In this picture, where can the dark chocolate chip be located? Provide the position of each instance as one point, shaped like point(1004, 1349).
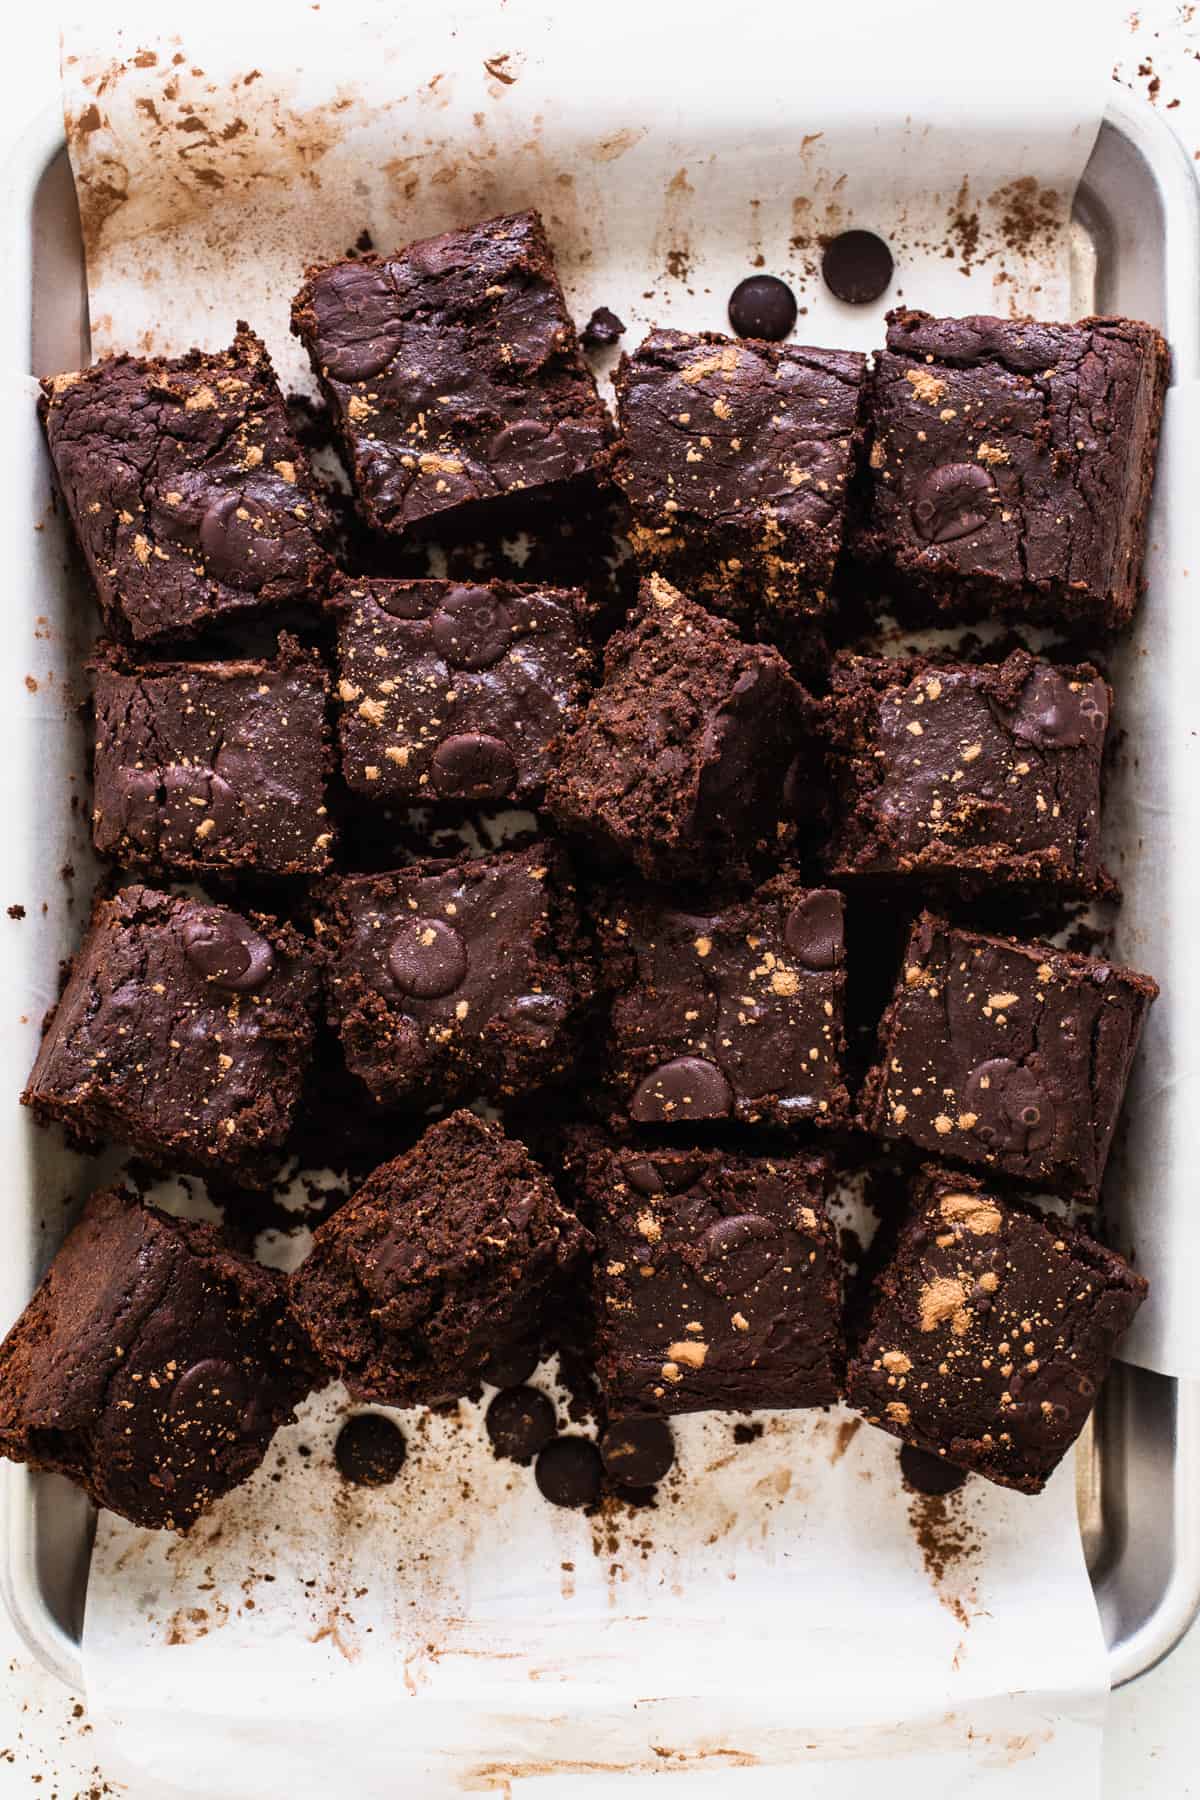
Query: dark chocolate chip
point(668, 1175)
point(813, 931)
point(688, 1088)
point(520, 1421)
point(727, 1236)
point(473, 766)
point(136, 792)
point(512, 1366)
point(637, 1451)
point(857, 266)
point(239, 540)
point(227, 952)
point(762, 306)
point(400, 600)
point(471, 628)
point(952, 502)
point(212, 1394)
point(526, 445)
point(1012, 1109)
point(535, 1016)
point(370, 1450)
point(1051, 715)
point(927, 1473)
point(602, 329)
point(569, 1472)
point(426, 957)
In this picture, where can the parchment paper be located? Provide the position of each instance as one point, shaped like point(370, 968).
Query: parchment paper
point(786, 1606)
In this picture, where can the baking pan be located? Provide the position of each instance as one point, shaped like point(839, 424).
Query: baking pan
point(1135, 249)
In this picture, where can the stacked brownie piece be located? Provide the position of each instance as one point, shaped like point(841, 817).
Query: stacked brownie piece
point(649, 981)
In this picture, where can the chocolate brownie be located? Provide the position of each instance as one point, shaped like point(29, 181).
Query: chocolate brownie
point(681, 758)
point(184, 1029)
point(736, 459)
point(991, 1329)
point(213, 765)
point(152, 1366)
point(449, 979)
point(968, 775)
point(452, 371)
point(730, 1011)
point(1013, 1055)
point(442, 1254)
point(718, 1281)
point(188, 490)
point(455, 692)
point(1012, 466)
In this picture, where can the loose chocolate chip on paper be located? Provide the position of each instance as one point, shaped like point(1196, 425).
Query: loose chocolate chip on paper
point(637, 1451)
point(762, 306)
point(602, 329)
point(929, 1474)
point(370, 1450)
point(569, 1472)
point(857, 267)
point(520, 1421)
point(512, 1365)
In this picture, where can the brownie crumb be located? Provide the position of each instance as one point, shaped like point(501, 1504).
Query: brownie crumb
point(16, 912)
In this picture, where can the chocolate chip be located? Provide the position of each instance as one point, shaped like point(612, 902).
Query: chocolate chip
point(952, 502)
point(688, 1088)
point(535, 1016)
point(473, 766)
point(637, 1451)
point(1050, 715)
point(240, 541)
point(733, 1233)
point(511, 1366)
point(528, 447)
point(361, 331)
point(370, 1450)
point(471, 629)
point(857, 266)
point(762, 306)
point(214, 1395)
point(813, 931)
point(520, 1421)
point(226, 950)
point(569, 1472)
point(929, 1474)
point(426, 958)
point(136, 797)
point(602, 329)
point(665, 1175)
point(1012, 1109)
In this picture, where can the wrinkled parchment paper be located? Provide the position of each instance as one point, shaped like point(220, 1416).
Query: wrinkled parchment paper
point(786, 1606)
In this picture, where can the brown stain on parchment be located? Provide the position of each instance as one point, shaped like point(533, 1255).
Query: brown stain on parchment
point(950, 1545)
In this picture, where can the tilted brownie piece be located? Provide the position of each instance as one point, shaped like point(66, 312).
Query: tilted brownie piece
point(968, 774)
point(990, 1331)
point(444, 1255)
point(736, 459)
point(184, 1029)
point(214, 765)
point(1013, 1055)
point(152, 1366)
point(682, 755)
point(718, 1280)
point(450, 691)
point(187, 488)
point(452, 371)
point(1013, 463)
point(734, 1012)
point(456, 978)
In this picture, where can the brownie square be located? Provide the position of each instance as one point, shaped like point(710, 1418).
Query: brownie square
point(452, 371)
point(681, 757)
point(454, 978)
point(968, 775)
point(152, 1366)
point(732, 1011)
point(991, 1329)
point(736, 458)
point(189, 493)
point(1012, 465)
point(213, 765)
point(443, 1256)
point(1011, 1055)
point(718, 1280)
point(456, 692)
point(184, 1030)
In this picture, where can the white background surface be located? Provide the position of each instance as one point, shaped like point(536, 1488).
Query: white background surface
point(1154, 1733)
